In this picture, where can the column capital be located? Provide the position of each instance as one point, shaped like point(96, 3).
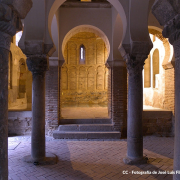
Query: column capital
point(172, 30)
point(10, 19)
point(38, 63)
point(135, 64)
point(167, 14)
point(134, 55)
point(9, 23)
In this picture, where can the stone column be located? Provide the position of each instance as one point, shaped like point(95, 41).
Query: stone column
point(167, 13)
point(135, 108)
point(4, 53)
point(38, 65)
point(10, 22)
point(176, 46)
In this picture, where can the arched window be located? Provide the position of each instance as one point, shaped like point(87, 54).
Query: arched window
point(147, 73)
point(82, 55)
point(155, 68)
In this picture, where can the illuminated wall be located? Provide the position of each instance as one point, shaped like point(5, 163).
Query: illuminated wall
point(84, 75)
point(155, 74)
point(19, 80)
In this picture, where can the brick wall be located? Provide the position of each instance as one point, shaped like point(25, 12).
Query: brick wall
point(119, 98)
point(109, 93)
point(169, 103)
point(52, 95)
point(159, 123)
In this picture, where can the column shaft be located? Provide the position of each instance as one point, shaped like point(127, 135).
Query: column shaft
point(4, 114)
point(38, 116)
point(176, 176)
point(135, 108)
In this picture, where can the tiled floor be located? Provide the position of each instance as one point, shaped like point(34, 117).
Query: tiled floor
point(91, 160)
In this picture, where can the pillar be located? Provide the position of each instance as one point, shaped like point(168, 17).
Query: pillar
point(177, 111)
point(135, 108)
point(38, 65)
point(10, 22)
point(4, 53)
point(170, 19)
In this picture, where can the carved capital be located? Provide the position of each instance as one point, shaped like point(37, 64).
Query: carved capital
point(37, 47)
point(135, 57)
point(38, 64)
point(21, 7)
point(10, 13)
point(135, 64)
point(9, 20)
point(167, 13)
point(164, 11)
point(172, 29)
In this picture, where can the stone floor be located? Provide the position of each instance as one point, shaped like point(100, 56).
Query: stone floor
point(92, 112)
point(92, 160)
point(84, 112)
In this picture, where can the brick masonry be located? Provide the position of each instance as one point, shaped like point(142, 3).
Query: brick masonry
point(52, 99)
point(119, 98)
point(158, 123)
point(169, 103)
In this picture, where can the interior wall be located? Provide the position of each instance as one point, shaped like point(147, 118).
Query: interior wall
point(68, 18)
point(54, 32)
point(20, 81)
point(154, 91)
point(117, 37)
point(84, 83)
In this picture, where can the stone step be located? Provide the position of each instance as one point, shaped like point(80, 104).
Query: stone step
point(86, 127)
point(85, 121)
point(86, 135)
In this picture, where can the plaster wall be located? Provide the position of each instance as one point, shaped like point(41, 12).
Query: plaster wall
point(117, 37)
point(54, 33)
point(68, 18)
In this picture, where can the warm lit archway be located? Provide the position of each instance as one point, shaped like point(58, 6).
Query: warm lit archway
point(117, 5)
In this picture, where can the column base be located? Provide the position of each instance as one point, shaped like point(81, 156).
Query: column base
point(129, 161)
point(50, 159)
